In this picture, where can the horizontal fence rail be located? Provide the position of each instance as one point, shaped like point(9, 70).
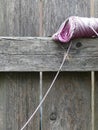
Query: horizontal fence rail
point(43, 54)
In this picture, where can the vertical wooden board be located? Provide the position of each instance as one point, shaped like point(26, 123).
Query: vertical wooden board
point(2, 103)
point(10, 17)
point(2, 17)
point(95, 8)
point(56, 11)
point(96, 101)
point(19, 96)
point(29, 17)
point(19, 17)
point(67, 106)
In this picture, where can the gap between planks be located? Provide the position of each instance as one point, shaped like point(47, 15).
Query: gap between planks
point(93, 100)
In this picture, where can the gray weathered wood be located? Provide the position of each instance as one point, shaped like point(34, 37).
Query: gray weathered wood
point(18, 99)
point(2, 103)
point(19, 92)
point(72, 102)
point(29, 18)
point(96, 8)
point(96, 101)
point(56, 11)
point(67, 106)
point(9, 17)
point(43, 54)
point(19, 18)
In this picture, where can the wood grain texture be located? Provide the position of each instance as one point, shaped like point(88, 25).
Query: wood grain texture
point(2, 103)
point(29, 18)
point(18, 100)
point(9, 18)
point(67, 106)
point(19, 18)
point(42, 54)
point(96, 8)
point(56, 11)
point(19, 92)
point(2, 18)
point(94, 13)
point(96, 101)
point(92, 8)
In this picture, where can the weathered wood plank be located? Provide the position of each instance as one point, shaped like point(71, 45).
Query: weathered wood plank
point(2, 103)
point(2, 17)
point(67, 106)
point(43, 54)
point(29, 18)
point(94, 13)
point(19, 18)
point(9, 18)
point(56, 11)
point(18, 99)
point(95, 8)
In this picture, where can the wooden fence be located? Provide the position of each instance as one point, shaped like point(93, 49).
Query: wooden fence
point(29, 61)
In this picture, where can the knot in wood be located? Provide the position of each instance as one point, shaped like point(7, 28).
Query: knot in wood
point(53, 116)
point(78, 44)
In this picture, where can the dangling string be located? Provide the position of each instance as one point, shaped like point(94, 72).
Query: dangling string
point(93, 30)
point(50, 87)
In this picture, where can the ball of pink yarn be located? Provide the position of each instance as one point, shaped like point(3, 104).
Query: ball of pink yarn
point(76, 27)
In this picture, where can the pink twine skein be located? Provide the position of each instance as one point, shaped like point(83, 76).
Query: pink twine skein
point(76, 27)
